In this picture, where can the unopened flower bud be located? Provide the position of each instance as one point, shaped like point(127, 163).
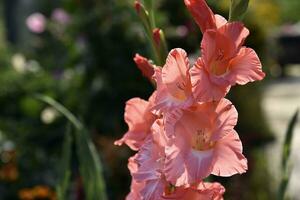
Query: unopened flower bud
point(156, 36)
point(137, 5)
point(144, 65)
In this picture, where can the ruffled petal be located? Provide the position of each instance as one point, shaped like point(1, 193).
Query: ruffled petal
point(135, 190)
point(175, 169)
point(175, 74)
point(164, 100)
point(150, 161)
point(245, 67)
point(153, 189)
point(139, 119)
point(226, 119)
point(228, 157)
point(235, 32)
point(203, 88)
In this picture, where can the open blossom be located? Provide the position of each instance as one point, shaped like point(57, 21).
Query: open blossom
point(139, 119)
point(174, 89)
point(203, 143)
point(224, 62)
point(36, 22)
point(149, 182)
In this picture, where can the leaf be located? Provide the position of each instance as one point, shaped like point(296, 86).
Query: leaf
point(286, 151)
point(64, 178)
point(89, 164)
point(89, 167)
point(237, 9)
point(288, 139)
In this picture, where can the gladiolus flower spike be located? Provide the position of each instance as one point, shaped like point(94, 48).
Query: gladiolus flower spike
point(185, 131)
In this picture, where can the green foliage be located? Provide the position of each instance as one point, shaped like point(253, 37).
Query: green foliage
point(64, 166)
point(89, 163)
point(286, 151)
point(238, 9)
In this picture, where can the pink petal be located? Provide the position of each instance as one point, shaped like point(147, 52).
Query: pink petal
point(175, 169)
point(201, 191)
point(132, 164)
point(170, 119)
point(202, 14)
point(245, 67)
point(226, 119)
point(184, 165)
point(175, 74)
point(235, 32)
point(150, 161)
point(199, 165)
point(220, 20)
point(216, 49)
point(135, 190)
point(213, 191)
point(164, 100)
point(204, 89)
point(158, 132)
point(139, 119)
point(228, 157)
point(153, 189)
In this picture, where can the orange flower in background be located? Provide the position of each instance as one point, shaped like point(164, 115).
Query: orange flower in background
point(39, 192)
point(8, 171)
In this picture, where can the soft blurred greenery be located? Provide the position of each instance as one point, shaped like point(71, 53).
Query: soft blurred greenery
point(87, 66)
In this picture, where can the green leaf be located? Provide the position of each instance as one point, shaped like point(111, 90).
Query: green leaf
point(238, 9)
point(64, 178)
point(89, 167)
point(89, 163)
point(286, 151)
point(288, 139)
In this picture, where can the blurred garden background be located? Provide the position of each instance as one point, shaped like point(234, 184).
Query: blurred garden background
point(80, 53)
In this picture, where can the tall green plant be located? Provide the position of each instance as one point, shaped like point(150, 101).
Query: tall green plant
point(89, 164)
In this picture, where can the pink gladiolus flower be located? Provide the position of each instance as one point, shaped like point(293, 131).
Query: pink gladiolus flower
point(61, 16)
point(36, 22)
point(224, 63)
point(203, 143)
point(174, 89)
point(149, 182)
point(144, 65)
point(139, 119)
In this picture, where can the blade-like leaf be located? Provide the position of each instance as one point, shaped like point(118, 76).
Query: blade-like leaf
point(288, 139)
point(89, 166)
point(238, 9)
point(64, 178)
point(286, 151)
point(89, 163)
